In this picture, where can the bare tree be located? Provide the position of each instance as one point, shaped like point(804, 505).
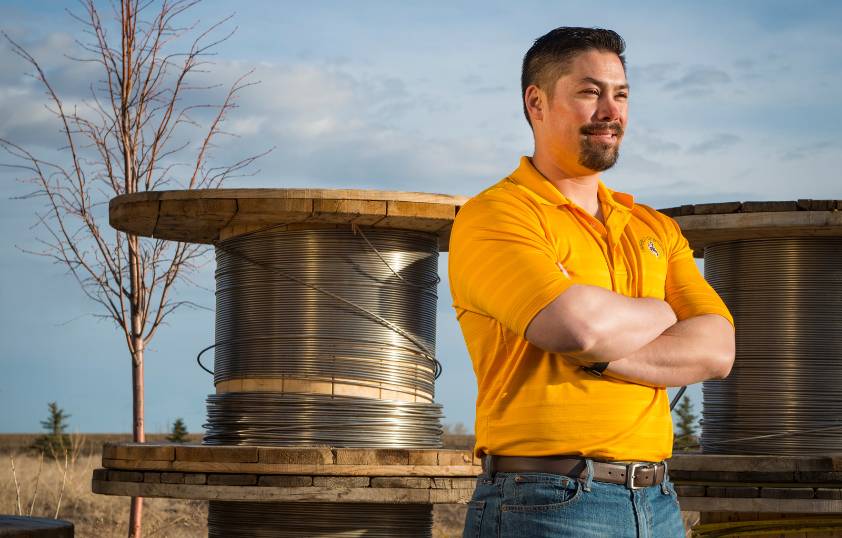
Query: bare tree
point(127, 136)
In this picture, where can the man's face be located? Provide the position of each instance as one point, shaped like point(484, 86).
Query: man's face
point(583, 123)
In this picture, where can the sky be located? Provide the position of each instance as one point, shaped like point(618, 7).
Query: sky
point(728, 101)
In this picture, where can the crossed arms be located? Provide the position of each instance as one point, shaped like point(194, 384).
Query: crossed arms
point(639, 337)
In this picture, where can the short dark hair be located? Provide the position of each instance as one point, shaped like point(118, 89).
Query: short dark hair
point(547, 59)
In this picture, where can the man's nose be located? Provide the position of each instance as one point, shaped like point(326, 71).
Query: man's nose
point(608, 109)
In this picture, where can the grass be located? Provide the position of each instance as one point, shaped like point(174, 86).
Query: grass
point(55, 487)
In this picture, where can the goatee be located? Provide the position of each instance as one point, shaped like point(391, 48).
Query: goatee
point(599, 156)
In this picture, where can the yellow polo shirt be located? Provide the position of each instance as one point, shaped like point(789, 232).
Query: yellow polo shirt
point(505, 250)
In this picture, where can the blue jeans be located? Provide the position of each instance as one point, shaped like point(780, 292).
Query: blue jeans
point(542, 505)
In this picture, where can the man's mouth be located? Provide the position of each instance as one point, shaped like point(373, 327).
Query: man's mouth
point(606, 132)
point(601, 136)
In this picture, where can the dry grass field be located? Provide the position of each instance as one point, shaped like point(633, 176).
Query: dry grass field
point(46, 487)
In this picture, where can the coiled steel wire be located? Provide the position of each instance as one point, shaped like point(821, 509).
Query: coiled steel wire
point(784, 393)
point(334, 520)
point(328, 303)
point(276, 419)
point(355, 305)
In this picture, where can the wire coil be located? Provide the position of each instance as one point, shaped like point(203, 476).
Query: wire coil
point(325, 304)
point(328, 303)
point(273, 419)
point(334, 520)
point(784, 393)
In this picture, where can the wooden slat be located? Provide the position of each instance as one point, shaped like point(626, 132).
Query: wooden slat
point(337, 387)
point(294, 469)
point(138, 451)
point(221, 454)
point(285, 494)
point(716, 504)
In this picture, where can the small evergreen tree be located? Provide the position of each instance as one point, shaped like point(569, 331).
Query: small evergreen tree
point(55, 441)
point(178, 434)
point(685, 435)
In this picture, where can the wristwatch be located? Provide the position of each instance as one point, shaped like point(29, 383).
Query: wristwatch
point(596, 368)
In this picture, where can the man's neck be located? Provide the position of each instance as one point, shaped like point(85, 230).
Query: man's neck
point(581, 190)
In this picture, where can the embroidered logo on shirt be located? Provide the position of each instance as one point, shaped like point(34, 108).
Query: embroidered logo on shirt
point(652, 246)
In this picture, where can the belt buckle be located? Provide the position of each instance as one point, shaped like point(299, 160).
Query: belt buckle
point(631, 468)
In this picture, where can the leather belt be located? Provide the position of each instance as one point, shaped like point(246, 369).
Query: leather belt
point(632, 475)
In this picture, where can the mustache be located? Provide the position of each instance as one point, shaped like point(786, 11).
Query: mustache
point(601, 127)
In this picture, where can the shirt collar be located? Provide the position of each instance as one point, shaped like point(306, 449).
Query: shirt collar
point(529, 178)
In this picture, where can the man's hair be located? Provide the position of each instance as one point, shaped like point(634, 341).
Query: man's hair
point(548, 58)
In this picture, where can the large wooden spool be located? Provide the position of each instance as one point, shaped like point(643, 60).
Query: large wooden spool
point(309, 474)
point(787, 494)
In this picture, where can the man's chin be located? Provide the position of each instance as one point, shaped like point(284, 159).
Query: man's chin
point(599, 161)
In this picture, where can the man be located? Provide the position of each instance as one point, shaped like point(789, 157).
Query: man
point(578, 307)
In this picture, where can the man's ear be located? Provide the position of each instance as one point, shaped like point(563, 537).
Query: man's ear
point(534, 100)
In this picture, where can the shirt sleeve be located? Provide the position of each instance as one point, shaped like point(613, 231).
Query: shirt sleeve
point(501, 262)
point(687, 291)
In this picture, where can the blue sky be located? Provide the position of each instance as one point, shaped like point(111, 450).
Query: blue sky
point(729, 101)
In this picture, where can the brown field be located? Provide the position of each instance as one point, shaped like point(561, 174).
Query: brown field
point(49, 486)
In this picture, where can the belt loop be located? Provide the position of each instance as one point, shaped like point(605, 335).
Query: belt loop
point(489, 466)
point(588, 479)
point(664, 489)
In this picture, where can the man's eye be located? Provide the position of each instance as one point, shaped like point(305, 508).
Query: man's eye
point(622, 96)
point(591, 91)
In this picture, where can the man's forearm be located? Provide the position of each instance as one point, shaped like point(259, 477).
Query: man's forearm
point(620, 325)
point(690, 351)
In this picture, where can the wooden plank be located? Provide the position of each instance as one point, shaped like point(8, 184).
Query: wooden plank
point(829, 493)
point(285, 455)
point(183, 220)
point(733, 491)
point(690, 490)
point(716, 504)
point(286, 481)
point(139, 217)
point(717, 208)
point(362, 212)
point(125, 476)
point(284, 494)
point(296, 469)
point(368, 456)
point(423, 457)
point(232, 480)
point(732, 476)
point(766, 206)
point(455, 457)
point(787, 493)
point(341, 481)
point(172, 478)
point(736, 463)
point(338, 387)
point(671, 211)
point(139, 451)
point(222, 454)
point(400, 482)
point(417, 216)
point(453, 483)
